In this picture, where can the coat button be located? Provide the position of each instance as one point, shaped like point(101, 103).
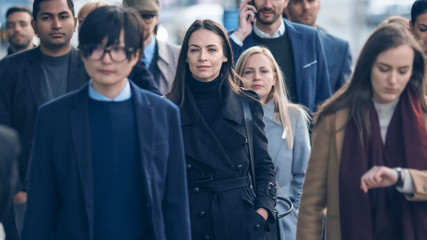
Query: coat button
point(257, 226)
point(238, 167)
point(196, 190)
point(188, 166)
point(207, 237)
point(202, 214)
point(246, 140)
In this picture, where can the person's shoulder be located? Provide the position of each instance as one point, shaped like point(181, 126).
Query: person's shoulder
point(158, 102)
point(167, 45)
point(336, 41)
point(65, 101)
point(301, 28)
point(249, 95)
point(8, 135)
point(20, 58)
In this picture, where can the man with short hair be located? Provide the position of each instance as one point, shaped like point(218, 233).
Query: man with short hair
point(18, 29)
point(159, 57)
point(33, 77)
point(297, 49)
point(337, 51)
point(108, 159)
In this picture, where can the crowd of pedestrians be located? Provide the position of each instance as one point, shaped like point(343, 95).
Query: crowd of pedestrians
point(129, 137)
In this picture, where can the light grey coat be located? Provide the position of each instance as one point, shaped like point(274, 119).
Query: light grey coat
point(290, 164)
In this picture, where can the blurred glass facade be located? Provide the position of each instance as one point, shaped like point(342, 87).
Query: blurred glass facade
point(352, 20)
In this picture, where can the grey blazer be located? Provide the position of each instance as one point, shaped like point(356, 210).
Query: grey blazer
point(165, 69)
point(290, 164)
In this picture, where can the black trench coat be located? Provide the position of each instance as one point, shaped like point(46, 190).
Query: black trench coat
point(222, 205)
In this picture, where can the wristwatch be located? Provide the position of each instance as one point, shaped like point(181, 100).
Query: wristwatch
point(399, 182)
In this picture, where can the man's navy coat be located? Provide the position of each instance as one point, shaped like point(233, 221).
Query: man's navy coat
point(338, 58)
point(311, 72)
point(60, 196)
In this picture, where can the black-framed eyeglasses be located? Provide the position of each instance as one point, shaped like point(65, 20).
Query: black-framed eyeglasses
point(147, 17)
point(117, 53)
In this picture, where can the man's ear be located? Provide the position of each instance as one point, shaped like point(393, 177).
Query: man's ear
point(33, 24)
point(75, 23)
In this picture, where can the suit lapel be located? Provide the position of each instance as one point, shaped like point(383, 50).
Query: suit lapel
point(297, 40)
point(79, 121)
point(145, 123)
point(77, 75)
point(34, 75)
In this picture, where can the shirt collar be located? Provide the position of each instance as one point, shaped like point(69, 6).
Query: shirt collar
point(279, 32)
point(125, 94)
point(149, 51)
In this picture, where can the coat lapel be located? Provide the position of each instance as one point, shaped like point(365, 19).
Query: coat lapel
point(34, 75)
point(201, 142)
point(297, 40)
point(145, 123)
point(79, 121)
point(229, 128)
point(77, 75)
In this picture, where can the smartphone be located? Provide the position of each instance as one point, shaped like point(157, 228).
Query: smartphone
point(251, 3)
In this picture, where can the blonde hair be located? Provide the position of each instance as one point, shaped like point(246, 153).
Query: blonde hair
point(89, 7)
point(278, 92)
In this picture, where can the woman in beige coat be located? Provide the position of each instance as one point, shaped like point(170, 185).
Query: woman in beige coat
point(375, 120)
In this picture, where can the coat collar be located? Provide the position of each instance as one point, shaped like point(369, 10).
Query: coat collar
point(232, 109)
point(162, 50)
point(269, 110)
point(210, 145)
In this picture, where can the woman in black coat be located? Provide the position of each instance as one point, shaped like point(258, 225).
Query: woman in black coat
point(222, 204)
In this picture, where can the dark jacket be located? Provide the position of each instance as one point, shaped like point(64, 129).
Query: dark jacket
point(9, 153)
point(60, 196)
point(21, 95)
point(338, 59)
point(311, 72)
point(143, 78)
point(222, 205)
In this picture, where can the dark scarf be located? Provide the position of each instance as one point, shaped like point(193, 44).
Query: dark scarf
point(383, 213)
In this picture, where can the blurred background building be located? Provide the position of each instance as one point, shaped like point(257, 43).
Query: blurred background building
point(352, 20)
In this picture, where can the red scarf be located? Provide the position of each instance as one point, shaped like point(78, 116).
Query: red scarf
point(383, 213)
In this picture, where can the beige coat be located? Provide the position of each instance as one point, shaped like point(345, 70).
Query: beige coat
point(320, 191)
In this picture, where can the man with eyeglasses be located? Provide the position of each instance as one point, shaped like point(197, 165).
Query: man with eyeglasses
point(108, 159)
point(33, 77)
point(159, 57)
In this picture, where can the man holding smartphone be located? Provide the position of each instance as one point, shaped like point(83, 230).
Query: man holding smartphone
point(296, 47)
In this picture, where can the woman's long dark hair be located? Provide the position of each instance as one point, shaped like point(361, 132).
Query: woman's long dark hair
point(357, 94)
point(227, 74)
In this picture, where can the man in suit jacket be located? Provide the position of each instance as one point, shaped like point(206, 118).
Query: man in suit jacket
point(337, 51)
point(297, 49)
point(108, 159)
point(33, 77)
point(160, 57)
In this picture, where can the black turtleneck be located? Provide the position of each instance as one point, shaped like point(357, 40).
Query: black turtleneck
point(207, 98)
